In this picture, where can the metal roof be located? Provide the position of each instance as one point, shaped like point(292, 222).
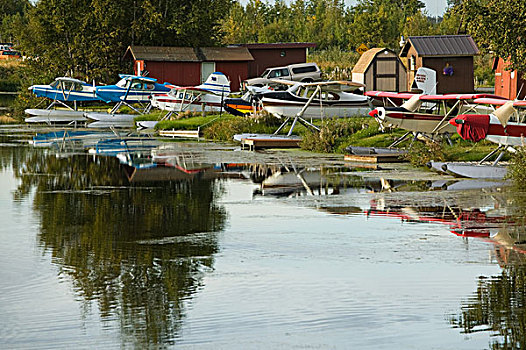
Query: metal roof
point(225, 54)
point(256, 46)
point(161, 53)
point(188, 54)
point(441, 45)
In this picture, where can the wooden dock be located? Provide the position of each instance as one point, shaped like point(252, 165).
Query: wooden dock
point(253, 143)
point(193, 134)
point(375, 158)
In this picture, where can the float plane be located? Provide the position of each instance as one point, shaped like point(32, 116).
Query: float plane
point(62, 91)
point(207, 97)
point(129, 89)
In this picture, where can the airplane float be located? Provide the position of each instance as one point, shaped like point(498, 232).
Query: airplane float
point(128, 90)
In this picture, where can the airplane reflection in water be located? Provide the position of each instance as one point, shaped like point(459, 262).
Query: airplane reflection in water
point(492, 224)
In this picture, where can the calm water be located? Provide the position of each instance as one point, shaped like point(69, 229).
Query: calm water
point(202, 246)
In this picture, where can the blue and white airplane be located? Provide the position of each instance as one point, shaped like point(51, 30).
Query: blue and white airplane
point(131, 89)
point(62, 91)
point(66, 89)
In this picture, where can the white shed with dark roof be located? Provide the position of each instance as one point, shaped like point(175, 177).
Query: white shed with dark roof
point(451, 56)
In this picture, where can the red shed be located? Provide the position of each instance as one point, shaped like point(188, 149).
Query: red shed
point(275, 55)
point(187, 66)
point(508, 83)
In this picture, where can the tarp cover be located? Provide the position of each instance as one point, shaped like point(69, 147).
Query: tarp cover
point(474, 128)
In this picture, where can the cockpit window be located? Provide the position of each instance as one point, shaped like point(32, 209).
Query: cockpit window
point(123, 83)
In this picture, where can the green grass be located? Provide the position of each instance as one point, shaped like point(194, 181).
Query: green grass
point(337, 134)
point(193, 122)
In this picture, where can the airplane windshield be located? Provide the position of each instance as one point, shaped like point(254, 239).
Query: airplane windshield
point(66, 85)
point(123, 83)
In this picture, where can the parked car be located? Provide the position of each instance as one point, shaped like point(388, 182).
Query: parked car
point(10, 55)
point(304, 72)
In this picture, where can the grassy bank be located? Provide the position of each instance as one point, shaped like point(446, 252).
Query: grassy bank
point(335, 135)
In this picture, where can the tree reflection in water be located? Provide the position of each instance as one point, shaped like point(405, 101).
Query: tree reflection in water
point(499, 303)
point(137, 251)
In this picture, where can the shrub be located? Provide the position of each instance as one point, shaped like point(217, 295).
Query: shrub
point(517, 169)
point(332, 134)
point(422, 153)
point(225, 129)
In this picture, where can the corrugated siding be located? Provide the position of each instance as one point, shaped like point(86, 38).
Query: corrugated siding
point(235, 71)
point(178, 73)
point(264, 59)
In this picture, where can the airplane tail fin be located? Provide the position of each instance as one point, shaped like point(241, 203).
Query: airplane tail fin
point(217, 83)
point(425, 81)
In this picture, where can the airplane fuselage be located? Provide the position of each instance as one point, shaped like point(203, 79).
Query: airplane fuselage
point(286, 104)
point(84, 94)
point(180, 101)
point(115, 93)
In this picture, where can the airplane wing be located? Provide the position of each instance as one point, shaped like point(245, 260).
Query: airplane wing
point(521, 103)
point(449, 97)
point(137, 78)
point(489, 101)
point(499, 102)
point(72, 80)
point(338, 84)
point(387, 94)
point(198, 89)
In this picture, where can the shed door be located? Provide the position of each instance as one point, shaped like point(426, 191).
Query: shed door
point(386, 73)
point(207, 68)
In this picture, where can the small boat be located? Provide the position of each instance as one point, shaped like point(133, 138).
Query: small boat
point(476, 171)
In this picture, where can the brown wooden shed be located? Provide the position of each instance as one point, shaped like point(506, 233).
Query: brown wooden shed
point(274, 55)
point(451, 56)
point(510, 84)
point(187, 66)
point(380, 69)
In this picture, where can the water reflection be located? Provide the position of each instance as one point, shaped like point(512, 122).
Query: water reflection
point(498, 305)
point(138, 252)
point(136, 233)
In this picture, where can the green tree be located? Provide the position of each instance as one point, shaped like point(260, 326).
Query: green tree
point(87, 39)
point(377, 23)
point(12, 13)
point(498, 26)
point(417, 24)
